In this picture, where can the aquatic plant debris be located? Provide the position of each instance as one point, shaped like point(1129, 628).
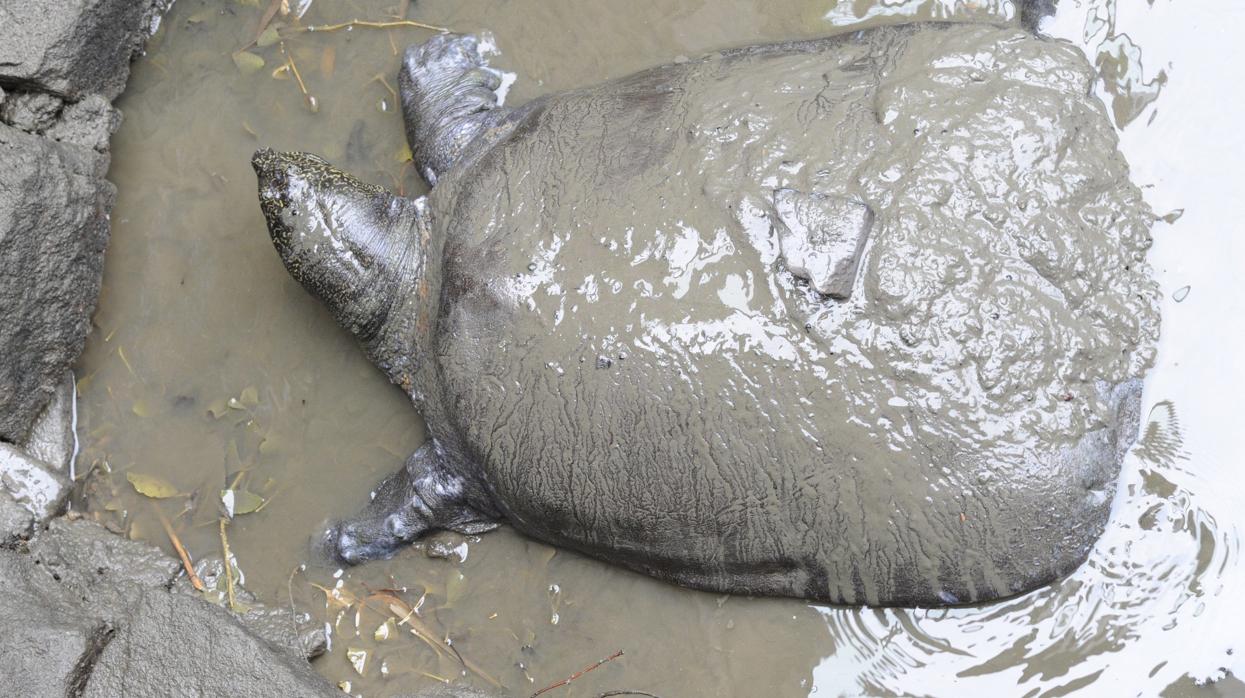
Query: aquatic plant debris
point(247, 62)
point(152, 486)
point(224, 544)
point(237, 502)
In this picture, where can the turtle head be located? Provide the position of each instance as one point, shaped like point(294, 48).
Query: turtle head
point(351, 244)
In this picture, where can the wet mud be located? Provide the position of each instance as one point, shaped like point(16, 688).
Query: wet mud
point(213, 370)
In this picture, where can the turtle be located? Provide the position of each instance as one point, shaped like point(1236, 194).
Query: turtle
point(860, 319)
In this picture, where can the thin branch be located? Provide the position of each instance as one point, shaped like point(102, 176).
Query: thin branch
point(364, 24)
point(578, 674)
point(181, 551)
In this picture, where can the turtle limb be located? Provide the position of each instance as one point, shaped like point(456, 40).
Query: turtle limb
point(448, 99)
point(423, 496)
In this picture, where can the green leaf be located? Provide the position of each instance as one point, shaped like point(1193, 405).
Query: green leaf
point(247, 62)
point(152, 486)
point(268, 37)
point(249, 396)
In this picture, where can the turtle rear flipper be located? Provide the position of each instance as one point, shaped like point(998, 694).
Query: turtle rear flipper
point(423, 496)
point(448, 99)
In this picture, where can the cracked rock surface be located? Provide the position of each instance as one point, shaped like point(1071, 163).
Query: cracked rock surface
point(62, 62)
point(89, 613)
point(86, 612)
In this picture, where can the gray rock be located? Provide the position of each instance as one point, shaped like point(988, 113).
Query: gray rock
point(99, 567)
point(177, 645)
point(49, 645)
point(89, 123)
point(54, 208)
point(73, 47)
point(52, 437)
point(36, 485)
point(16, 522)
point(31, 111)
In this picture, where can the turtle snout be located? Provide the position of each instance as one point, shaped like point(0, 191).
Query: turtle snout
point(273, 178)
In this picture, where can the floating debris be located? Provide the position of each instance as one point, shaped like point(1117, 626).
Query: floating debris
point(1181, 293)
point(358, 659)
point(384, 631)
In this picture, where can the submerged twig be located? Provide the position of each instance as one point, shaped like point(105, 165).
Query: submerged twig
point(181, 551)
point(268, 15)
point(578, 674)
point(367, 25)
point(289, 589)
point(312, 103)
point(224, 544)
point(421, 631)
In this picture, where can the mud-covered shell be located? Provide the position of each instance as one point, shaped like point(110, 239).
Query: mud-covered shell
point(627, 351)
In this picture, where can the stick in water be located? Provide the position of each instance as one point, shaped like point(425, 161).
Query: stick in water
point(181, 551)
point(578, 674)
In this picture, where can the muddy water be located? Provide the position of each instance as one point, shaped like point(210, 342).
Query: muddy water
point(210, 367)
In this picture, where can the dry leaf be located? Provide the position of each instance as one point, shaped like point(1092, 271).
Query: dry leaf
point(358, 659)
point(152, 486)
point(238, 502)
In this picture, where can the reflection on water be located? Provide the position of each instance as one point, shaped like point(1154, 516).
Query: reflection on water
point(210, 368)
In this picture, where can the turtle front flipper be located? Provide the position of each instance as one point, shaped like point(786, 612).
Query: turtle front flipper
point(423, 496)
point(448, 99)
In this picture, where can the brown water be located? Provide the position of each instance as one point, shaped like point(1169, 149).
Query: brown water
point(209, 361)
